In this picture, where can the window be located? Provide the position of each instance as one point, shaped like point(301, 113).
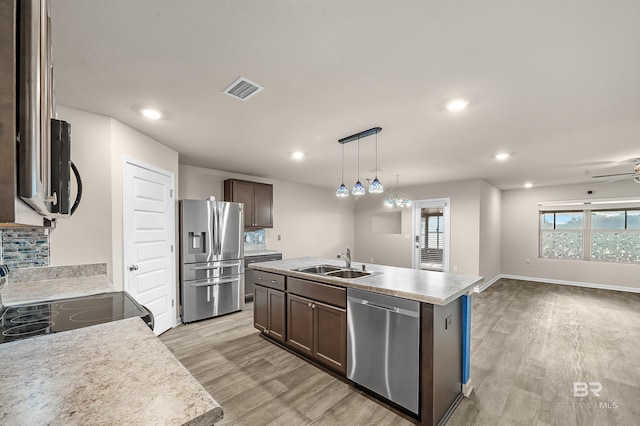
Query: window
point(431, 239)
point(615, 235)
point(561, 235)
point(591, 234)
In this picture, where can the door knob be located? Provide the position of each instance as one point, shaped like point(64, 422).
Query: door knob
point(133, 267)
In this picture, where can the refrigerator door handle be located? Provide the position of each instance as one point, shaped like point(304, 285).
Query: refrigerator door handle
point(209, 283)
point(216, 230)
point(208, 293)
point(221, 266)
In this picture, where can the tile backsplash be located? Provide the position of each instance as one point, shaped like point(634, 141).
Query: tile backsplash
point(24, 247)
point(255, 240)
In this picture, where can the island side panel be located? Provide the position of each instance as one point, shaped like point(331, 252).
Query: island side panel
point(440, 360)
point(426, 364)
point(466, 345)
point(447, 356)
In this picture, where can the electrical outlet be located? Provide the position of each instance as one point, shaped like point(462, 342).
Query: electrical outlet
point(447, 322)
point(455, 268)
point(528, 262)
point(279, 237)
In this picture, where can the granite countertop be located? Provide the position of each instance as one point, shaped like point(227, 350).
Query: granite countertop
point(18, 293)
point(251, 253)
point(437, 288)
point(113, 373)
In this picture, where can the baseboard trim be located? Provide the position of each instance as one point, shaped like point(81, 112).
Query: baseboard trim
point(564, 282)
point(482, 287)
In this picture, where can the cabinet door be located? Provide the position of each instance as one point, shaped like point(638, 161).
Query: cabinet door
point(330, 336)
point(243, 193)
point(277, 318)
point(300, 324)
point(260, 308)
point(263, 205)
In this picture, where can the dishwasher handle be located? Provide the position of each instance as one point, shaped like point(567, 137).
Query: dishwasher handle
point(392, 309)
point(384, 308)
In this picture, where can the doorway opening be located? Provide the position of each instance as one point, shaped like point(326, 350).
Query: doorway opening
point(431, 236)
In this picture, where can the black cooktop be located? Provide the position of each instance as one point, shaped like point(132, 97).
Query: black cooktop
point(40, 318)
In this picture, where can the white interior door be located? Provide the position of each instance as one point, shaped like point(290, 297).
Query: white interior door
point(149, 238)
point(432, 226)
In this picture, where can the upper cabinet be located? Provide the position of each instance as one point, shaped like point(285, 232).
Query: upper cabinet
point(257, 198)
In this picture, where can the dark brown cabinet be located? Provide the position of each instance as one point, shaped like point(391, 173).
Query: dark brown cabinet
point(269, 305)
point(257, 198)
point(261, 308)
point(330, 336)
point(317, 329)
point(269, 312)
point(300, 324)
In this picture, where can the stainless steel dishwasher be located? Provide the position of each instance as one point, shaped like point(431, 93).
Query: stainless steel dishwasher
point(383, 346)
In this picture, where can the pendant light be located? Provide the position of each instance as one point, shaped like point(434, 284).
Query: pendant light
point(342, 191)
point(358, 188)
point(393, 197)
point(376, 187)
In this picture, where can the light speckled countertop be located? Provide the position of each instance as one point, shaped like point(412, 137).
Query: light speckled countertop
point(17, 293)
point(109, 374)
point(251, 253)
point(437, 288)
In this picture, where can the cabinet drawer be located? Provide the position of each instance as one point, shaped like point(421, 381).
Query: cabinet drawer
point(268, 279)
point(332, 295)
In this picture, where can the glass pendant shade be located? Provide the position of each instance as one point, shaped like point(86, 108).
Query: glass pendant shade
point(376, 187)
point(342, 191)
point(358, 189)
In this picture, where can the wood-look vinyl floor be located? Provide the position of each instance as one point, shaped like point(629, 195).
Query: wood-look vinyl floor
point(530, 343)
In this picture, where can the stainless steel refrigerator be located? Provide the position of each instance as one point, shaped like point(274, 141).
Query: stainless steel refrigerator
point(211, 259)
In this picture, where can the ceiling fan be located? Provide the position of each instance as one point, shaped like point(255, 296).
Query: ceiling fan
point(635, 175)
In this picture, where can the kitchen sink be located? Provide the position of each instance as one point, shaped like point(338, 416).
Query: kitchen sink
point(335, 271)
point(348, 273)
point(318, 269)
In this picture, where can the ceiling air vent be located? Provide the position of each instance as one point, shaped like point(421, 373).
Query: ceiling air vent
point(243, 89)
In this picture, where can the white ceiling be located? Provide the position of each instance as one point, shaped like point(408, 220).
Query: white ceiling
point(555, 83)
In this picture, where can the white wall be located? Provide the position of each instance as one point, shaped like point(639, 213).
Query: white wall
point(520, 236)
point(94, 233)
point(310, 220)
point(490, 231)
point(397, 250)
point(86, 236)
point(129, 143)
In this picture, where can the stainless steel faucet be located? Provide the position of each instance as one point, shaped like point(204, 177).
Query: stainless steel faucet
point(346, 257)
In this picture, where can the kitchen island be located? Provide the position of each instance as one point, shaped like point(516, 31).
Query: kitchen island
point(112, 373)
point(379, 328)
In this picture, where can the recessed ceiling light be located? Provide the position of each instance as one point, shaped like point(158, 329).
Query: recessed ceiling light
point(151, 114)
point(298, 155)
point(528, 185)
point(457, 105)
point(502, 156)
